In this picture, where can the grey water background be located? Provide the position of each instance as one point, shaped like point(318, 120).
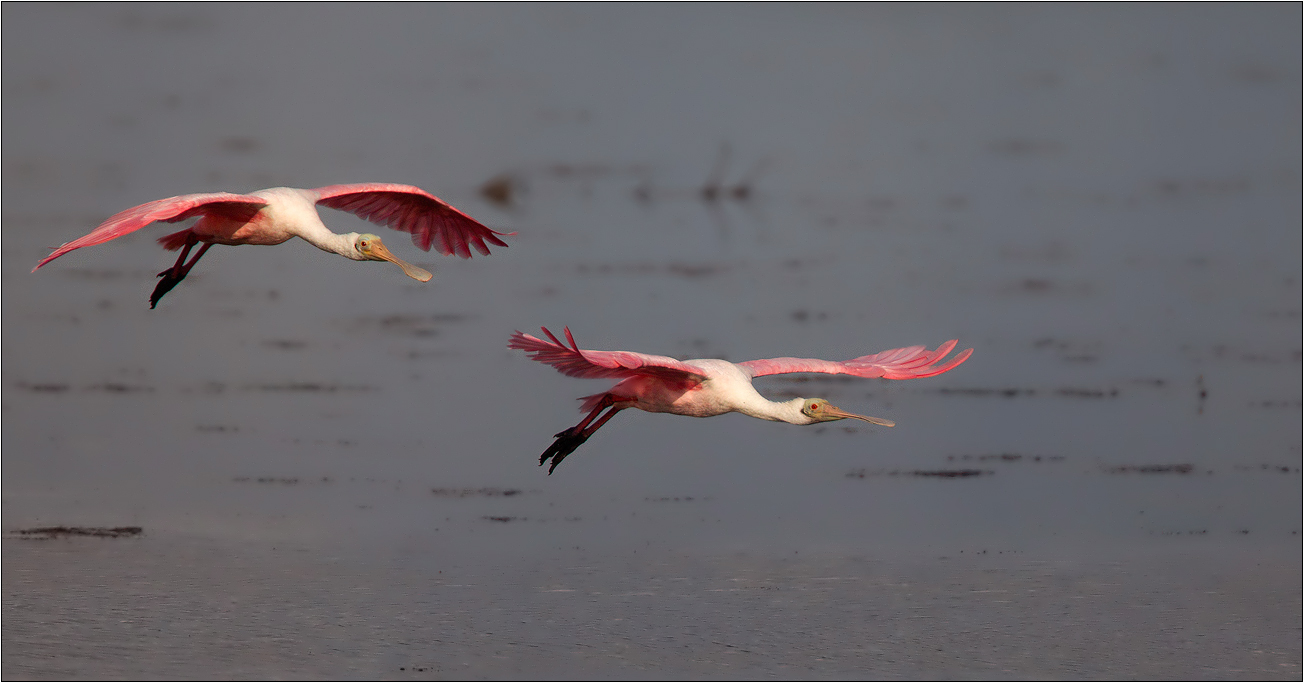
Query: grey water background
point(335, 466)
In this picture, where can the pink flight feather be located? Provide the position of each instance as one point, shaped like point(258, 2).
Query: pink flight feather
point(911, 362)
point(170, 210)
point(430, 220)
point(575, 362)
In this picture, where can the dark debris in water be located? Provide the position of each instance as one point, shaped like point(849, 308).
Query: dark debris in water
point(504, 519)
point(309, 388)
point(502, 189)
point(823, 379)
point(117, 388)
point(239, 144)
point(484, 492)
point(687, 270)
point(1008, 457)
point(1039, 285)
point(1183, 468)
point(984, 551)
point(673, 499)
point(941, 474)
point(283, 481)
point(717, 189)
point(1172, 188)
point(509, 188)
point(421, 326)
point(106, 387)
point(286, 344)
point(1295, 404)
point(802, 315)
point(1073, 392)
point(216, 429)
point(986, 391)
point(1070, 351)
point(49, 532)
point(214, 388)
point(1284, 469)
point(346, 443)
point(1014, 392)
point(44, 388)
point(1290, 313)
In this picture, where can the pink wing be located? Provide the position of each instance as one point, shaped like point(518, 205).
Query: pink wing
point(911, 362)
point(575, 362)
point(431, 220)
point(170, 210)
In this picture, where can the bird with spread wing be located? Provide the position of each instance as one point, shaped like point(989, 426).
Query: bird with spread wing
point(275, 215)
point(709, 386)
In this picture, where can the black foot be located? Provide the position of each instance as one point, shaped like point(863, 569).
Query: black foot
point(165, 285)
point(565, 444)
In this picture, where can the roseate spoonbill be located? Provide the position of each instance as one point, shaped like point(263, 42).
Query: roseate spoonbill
point(274, 215)
point(708, 386)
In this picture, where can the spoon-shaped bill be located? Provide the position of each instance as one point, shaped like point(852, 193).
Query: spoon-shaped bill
point(380, 252)
point(834, 411)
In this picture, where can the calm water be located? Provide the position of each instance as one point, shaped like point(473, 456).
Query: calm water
point(1103, 202)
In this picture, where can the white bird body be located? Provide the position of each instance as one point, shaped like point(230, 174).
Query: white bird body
point(726, 388)
point(273, 216)
point(289, 212)
point(706, 387)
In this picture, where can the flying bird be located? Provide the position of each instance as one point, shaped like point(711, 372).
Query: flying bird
point(274, 215)
point(709, 386)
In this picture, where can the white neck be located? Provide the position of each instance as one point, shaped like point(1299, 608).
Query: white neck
point(321, 237)
point(777, 411)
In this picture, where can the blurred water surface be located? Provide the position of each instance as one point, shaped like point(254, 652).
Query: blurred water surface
point(1103, 201)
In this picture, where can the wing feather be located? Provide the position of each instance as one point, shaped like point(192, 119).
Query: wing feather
point(444, 245)
point(170, 210)
point(429, 219)
point(459, 242)
point(569, 359)
point(911, 362)
point(424, 235)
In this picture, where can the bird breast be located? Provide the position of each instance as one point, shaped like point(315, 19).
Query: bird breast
point(260, 230)
point(725, 388)
point(289, 212)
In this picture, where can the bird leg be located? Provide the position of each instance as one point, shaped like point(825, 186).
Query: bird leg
point(570, 439)
point(178, 271)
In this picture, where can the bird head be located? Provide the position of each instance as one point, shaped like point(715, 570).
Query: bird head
point(820, 410)
point(372, 249)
